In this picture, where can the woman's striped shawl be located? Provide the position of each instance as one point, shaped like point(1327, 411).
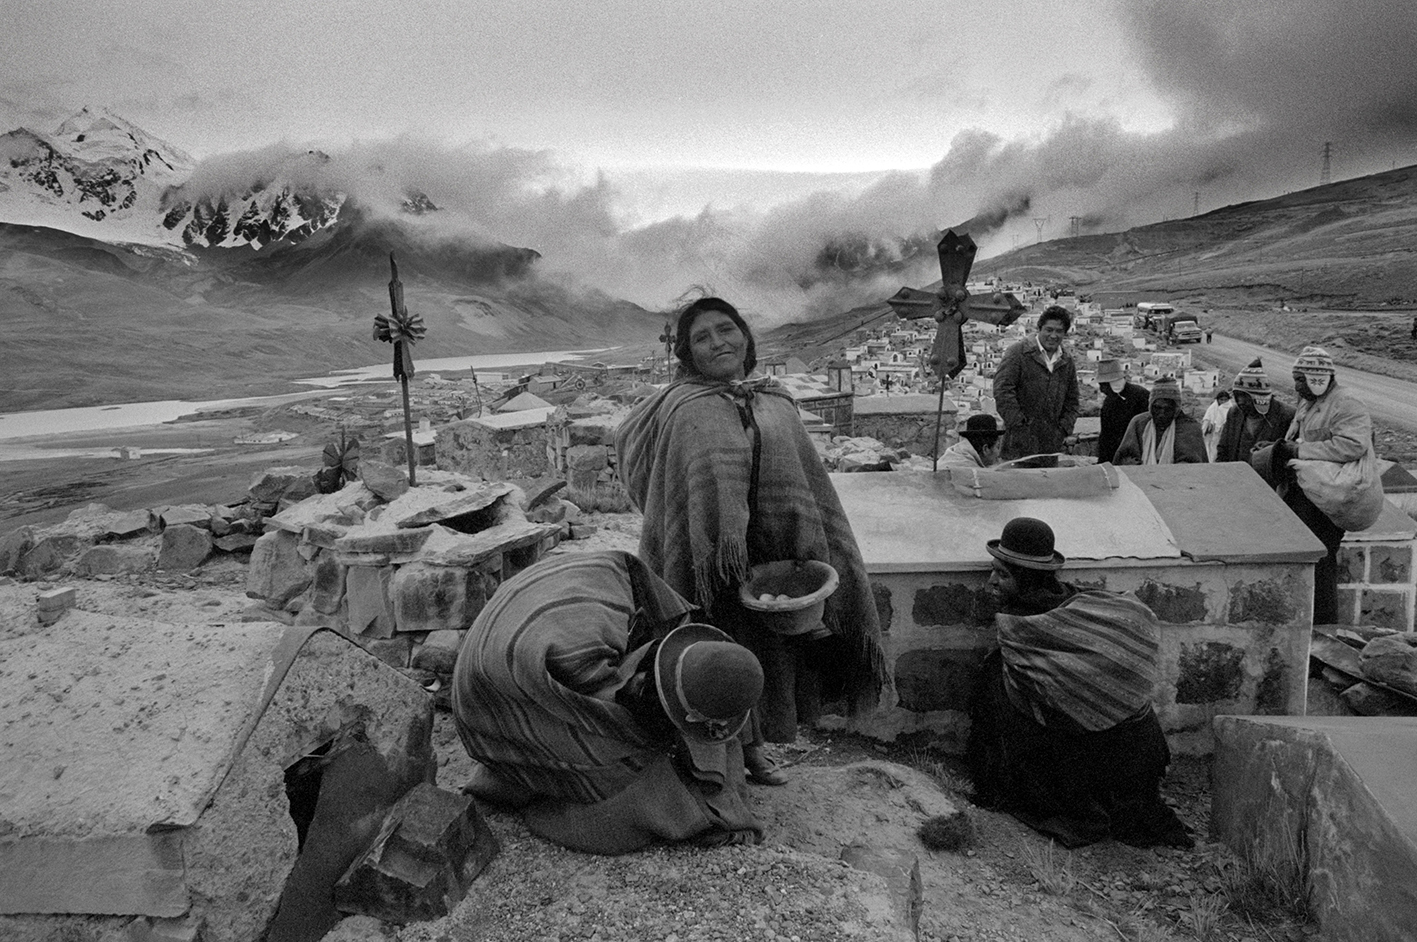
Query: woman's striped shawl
point(535, 682)
point(687, 463)
point(1093, 658)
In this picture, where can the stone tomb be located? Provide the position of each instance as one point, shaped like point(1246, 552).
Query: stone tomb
point(1377, 584)
point(167, 780)
point(1227, 568)
point(1326, 802)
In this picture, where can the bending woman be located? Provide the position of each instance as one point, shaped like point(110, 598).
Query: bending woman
point(727, 477)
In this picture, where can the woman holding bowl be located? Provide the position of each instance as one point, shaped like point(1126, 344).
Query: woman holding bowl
point(727, 478)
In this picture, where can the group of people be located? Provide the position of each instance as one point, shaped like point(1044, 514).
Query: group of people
point(623, 699)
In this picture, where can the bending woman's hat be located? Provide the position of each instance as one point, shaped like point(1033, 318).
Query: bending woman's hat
point(1314, 360)
point(1026, 542)
point(1109, 371)
point(1252, 379)
point(707, 682)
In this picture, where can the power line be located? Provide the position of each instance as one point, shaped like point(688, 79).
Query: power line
point(1326, 176)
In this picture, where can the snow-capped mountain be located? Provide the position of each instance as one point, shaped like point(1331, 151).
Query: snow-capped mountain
point(102, 177)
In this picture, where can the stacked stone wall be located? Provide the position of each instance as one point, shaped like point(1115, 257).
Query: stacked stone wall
point(915, 432)
point(1376, 584)
point(470, 448)
point(1234, 640)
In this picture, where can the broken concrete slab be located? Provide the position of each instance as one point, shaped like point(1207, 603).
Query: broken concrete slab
point(202, 826)
point(432, 845)
point(183, 547)
point(337, 508)
point(1330, 799)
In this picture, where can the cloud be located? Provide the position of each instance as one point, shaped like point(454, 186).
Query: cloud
point(1255, 88)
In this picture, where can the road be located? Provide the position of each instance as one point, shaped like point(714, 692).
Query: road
point(1393, 402)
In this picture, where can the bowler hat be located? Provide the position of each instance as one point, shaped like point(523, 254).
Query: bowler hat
point(1026, 542)
point(981, 425)
point(707, 682)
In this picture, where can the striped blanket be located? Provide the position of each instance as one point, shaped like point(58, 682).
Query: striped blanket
point(534, 700)
point(1093, 659)
point(686, 458)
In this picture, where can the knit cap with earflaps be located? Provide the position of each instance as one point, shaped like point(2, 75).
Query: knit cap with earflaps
point(1314, 360)
point(1253, 380)
point(1167, 387)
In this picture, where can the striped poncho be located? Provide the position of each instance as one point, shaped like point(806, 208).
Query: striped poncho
point(1093, 659)
point(686, 457)
point(534, 700)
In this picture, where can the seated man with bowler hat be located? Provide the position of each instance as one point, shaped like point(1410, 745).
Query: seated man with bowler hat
point(978, 445)
point(1063, 734)
point(591, 700)
point(1164, 434)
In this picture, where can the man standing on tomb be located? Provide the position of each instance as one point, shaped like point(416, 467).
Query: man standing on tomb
point(1063, 734)
point(1331, 424)
point(1122, 401)
point(1164, 434)
point(1036, 389)
point(1257, 417)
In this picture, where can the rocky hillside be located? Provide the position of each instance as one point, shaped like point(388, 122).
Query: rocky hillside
point(1343, 245)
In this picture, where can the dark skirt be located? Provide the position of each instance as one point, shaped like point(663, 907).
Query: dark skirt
point(1076, 787)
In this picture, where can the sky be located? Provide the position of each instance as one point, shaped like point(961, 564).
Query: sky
point(649, 144)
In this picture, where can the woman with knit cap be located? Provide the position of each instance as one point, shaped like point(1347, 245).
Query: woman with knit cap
point(1257, 418)
point(1164, 434)
point(1331, 424)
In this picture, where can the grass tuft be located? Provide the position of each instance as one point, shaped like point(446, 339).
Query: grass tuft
point(953, 832)
point(1049, 866)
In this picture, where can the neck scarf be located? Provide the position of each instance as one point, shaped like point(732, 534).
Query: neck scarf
point(1154, 452)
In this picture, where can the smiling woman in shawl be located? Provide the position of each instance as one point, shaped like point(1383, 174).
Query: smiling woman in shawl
point(1062, 731)
point(588, 698)
point(727, 478)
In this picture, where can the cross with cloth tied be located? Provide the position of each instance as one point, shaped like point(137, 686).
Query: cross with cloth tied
point(951, 306)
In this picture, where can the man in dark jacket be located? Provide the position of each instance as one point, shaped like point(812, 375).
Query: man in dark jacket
point(1036, 389)
point(1164, 434)
point(1121, 402)
point(1258, 418)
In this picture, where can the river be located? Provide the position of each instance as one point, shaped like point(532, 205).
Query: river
point(15, 425)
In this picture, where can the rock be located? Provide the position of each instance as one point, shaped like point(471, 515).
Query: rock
point(327, 588)
point(366, 593)
point(278, 572)
point(436, 659)
point(1367, 700)
point(1392, 660)
point(235, 543)
point(184, 547)
point(195, 515)
point(128, 525)
point(387, 542)
point(383, 478)
point(357, 929)
point(432, 598)
point(14, 545)
point(586, 457)
point(107, 558)
point(269, 486)
point(460, 509)
point(583, 531)
point(431, 847)
point(48, 555)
